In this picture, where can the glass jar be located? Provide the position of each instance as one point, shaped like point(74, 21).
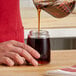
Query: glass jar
point(41, 42)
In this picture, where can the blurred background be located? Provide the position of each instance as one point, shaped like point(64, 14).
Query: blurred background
point(29, 20)
point(26, 3)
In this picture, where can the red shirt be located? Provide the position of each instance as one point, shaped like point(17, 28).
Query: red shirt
point(10, 21)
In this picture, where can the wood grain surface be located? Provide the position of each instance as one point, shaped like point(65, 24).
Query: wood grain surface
point(30, 21)
point(59, 59)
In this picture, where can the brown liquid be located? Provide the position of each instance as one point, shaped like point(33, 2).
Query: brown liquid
point(56, 10)
point(38, 10)
point(42, 45)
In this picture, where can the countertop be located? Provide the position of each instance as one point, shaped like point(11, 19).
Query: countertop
point(59, 59)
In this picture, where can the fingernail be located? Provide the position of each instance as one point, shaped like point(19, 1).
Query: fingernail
point(38, 56)
point(11, 64)
point(21, 61)
point(35, 63)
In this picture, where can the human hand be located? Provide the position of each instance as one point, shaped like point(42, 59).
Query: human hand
point(12, 52)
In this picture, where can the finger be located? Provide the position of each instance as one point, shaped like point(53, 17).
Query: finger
point(16, 57)
point(24, 60)
point(7, 61)
point(32, 51)
point(26, 55)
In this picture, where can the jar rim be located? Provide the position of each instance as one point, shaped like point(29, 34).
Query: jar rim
point(36, 34)
point(43, 32)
